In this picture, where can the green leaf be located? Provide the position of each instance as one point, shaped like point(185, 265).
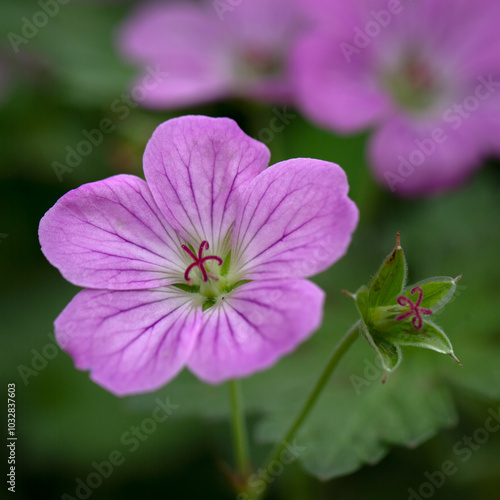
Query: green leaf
point(430, 336)
point(390, 279)
point(480, 375)
point(388, 353)
point(339, 438)
point(437, 291)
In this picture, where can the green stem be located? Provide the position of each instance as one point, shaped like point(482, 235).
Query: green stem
point(339, 351)
point(240, 438)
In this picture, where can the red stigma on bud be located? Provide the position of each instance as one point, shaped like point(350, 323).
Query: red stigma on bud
point(414, 308)
point(199, 260)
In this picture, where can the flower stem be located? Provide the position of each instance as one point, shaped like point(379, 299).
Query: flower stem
point(339, 351)
point(240, 438)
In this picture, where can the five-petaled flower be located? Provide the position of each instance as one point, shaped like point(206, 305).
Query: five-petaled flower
point(202, 266)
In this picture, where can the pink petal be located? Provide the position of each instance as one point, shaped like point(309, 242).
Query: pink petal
point(262, 24)
point(414, 159)
point(258, 323)
point(462, 34)
point(340, 17)
point(260, 33)
point(295, 220)
point(196, 168)
point(210, 50)
point(185, 40)
point(110, 234)
point(335, 90)
point(131, 341)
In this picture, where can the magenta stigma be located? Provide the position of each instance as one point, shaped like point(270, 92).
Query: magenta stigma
point(415, 310)
point(199, 260)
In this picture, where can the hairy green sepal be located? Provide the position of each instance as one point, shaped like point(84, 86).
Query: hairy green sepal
point(381, 323)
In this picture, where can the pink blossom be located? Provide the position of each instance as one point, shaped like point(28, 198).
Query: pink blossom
point(212, 50)
point(203, 265)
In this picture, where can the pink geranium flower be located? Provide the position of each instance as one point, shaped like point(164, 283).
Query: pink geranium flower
point(426, 73)
point(201, 266)
point(211, 50)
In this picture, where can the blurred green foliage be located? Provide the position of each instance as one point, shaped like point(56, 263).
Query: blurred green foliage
point(64, 81)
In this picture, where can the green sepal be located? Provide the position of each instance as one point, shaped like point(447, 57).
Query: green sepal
point(389, 353)
point(430, 336)
point(437, 291)
point(237, 284)
point(187, 288)
point(389, 280)
point(361, 299)
point(225, 264)
point(208, 304)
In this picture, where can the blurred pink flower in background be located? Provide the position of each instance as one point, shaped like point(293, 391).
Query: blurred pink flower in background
point(213, 50)
point(425, 73)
